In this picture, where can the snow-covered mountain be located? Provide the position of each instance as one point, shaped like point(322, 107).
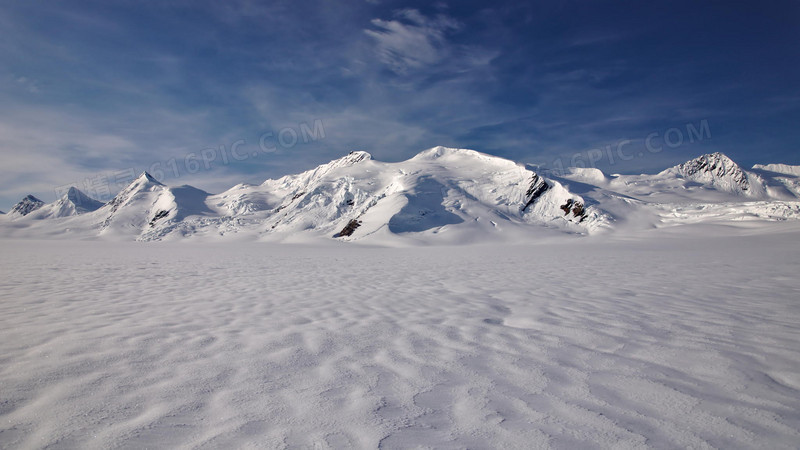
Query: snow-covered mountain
point(441, 195)
point(782, 180)
point(721, 173)
point(148, 209)
point(454, 191)
point(72, 203)
point(26, 206)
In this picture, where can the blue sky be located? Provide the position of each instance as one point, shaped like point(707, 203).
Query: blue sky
point(90, 91)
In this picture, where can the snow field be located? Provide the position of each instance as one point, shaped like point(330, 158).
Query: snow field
point(676, 341)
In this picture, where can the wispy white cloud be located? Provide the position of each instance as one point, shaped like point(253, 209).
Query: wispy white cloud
point(412, 40)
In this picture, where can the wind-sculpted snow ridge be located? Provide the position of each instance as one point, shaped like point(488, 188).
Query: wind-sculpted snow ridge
point(441, 196)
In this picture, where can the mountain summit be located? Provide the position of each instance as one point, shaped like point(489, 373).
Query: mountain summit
point(72, 203)
point(721, 172)
point(26, 206)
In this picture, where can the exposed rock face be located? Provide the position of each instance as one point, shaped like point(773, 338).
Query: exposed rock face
point(718, 170)
point(349, 228)
point(159, 215)
point(577, 209)
point(27, 205)
point(537, 187)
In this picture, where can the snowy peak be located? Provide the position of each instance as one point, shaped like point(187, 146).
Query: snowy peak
point(721, 172)
point(438, 152)
point(309, 176)
point(145, 182)
point(81, 202)
point(146, 177)
point(355, 157)
point(714, 164)
point(130, 206)
point(453, 154)
point(26, 206)
point(72, 203)
point(350, 159)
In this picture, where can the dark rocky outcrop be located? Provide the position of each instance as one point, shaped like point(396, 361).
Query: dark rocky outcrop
point(27, 205)
point(537, 187)
point(159, 215)
point(577, 209)
point(349, 228)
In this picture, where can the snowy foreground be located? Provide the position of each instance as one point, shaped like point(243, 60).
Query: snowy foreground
point(675, 339)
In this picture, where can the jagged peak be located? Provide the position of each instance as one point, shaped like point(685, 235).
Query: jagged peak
point(718, 163)
point(27, 205)
point(718, 170)
point(31, 198)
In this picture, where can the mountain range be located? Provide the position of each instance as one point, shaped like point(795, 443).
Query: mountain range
point(441, 195)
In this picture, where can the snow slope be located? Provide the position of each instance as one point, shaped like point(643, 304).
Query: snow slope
point(785, 169)
point(674, 338)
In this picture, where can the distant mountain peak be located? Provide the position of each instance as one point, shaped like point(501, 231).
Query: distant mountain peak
point(718, 170)
point(31, 198)
point(79, 202)
point(74, 195)
point(350, 159)
point(27, 205)
point(358, 156)
point(717, 164)
point(146, 177)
